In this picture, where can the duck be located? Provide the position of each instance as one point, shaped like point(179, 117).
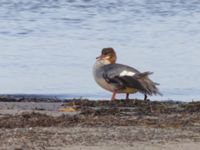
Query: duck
point(120, 78)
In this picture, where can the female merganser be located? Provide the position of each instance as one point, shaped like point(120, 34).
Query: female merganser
point(119, 78)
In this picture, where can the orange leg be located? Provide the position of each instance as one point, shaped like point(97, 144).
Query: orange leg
point(113, 96)
point(127, 96)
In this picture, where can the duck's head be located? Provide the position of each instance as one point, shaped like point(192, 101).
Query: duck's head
point(108, 55)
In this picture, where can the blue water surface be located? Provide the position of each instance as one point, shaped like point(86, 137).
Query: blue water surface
point(50, 46)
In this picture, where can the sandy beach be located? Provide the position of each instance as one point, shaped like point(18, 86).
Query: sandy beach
point(85, 124)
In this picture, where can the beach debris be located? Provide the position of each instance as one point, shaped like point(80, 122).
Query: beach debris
point(67, 109)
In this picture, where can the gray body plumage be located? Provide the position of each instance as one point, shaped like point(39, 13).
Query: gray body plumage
point(118, 77)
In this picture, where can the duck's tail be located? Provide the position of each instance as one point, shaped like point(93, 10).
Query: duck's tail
point(148, 87)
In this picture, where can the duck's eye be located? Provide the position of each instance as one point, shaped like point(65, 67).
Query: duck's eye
point(104, 53)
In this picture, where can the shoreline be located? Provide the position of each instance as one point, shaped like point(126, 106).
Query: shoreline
point(82, 124)
point(64, 97)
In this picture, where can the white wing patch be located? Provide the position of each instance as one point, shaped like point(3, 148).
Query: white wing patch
point(126, 73)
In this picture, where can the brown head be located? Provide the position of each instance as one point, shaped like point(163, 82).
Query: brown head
point(108, 54)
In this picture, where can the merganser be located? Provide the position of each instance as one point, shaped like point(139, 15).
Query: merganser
point(119, 78)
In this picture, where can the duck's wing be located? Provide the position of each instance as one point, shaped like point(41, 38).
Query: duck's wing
point(122, 76)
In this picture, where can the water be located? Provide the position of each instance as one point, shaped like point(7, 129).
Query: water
point(50, 46)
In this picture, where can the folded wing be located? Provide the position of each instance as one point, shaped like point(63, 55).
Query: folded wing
point(122, 76)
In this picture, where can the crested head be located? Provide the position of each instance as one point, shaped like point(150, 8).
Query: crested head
point(109, 55)
point(108, 50)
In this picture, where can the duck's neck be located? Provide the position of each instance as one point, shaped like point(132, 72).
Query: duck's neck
point(100, 63)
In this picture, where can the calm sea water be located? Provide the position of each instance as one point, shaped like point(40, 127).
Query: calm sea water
point(50, 46)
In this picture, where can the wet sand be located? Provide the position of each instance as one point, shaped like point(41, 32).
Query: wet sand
point(85, 124)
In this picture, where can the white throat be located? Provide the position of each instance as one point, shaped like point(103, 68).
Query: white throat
point(102, 62)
